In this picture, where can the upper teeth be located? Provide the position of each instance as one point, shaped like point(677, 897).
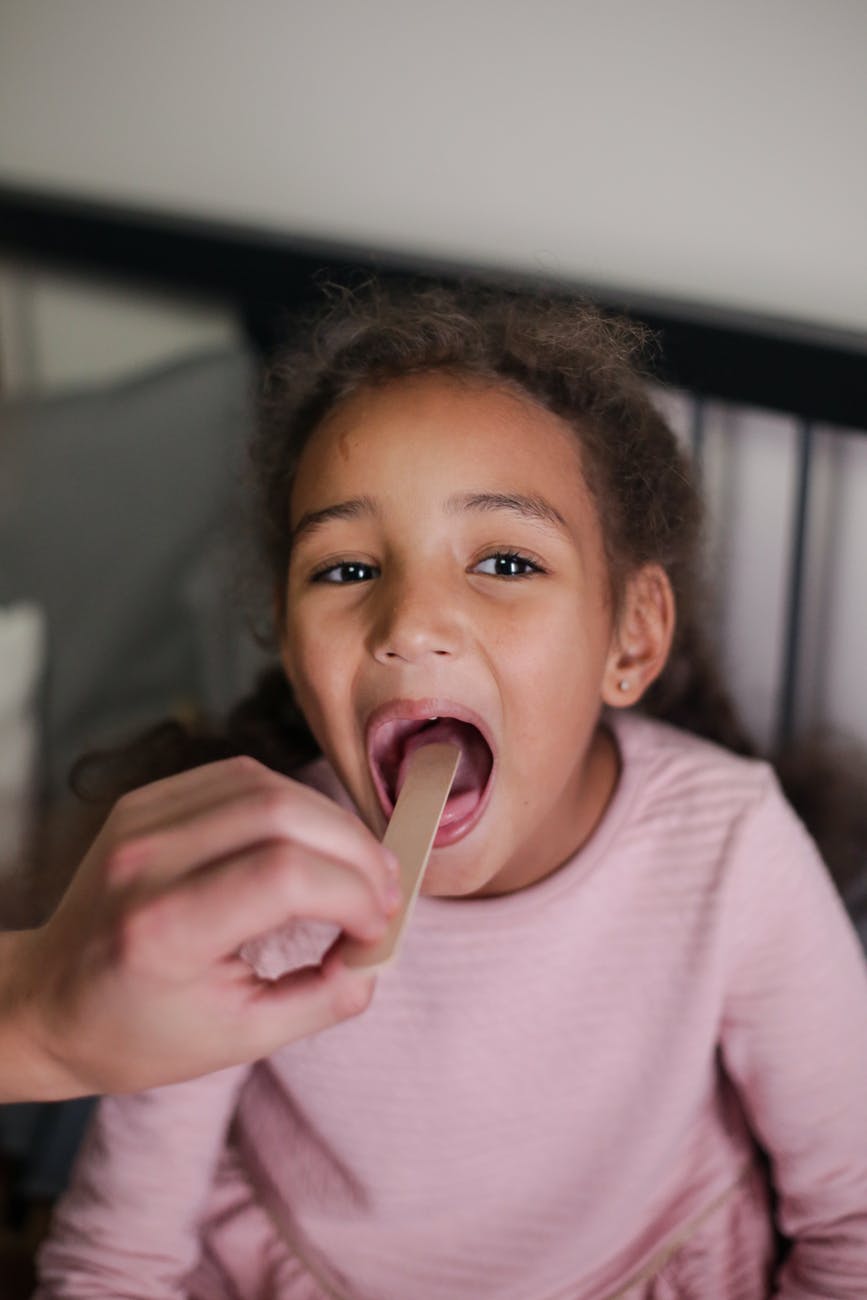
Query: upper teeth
point(436, 719)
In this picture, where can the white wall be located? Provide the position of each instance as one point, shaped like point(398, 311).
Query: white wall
point(711, 150)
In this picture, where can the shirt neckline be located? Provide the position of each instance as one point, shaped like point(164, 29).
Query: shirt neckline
point(625, 730)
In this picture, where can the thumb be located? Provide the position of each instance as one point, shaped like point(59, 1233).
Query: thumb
point(309, 1000)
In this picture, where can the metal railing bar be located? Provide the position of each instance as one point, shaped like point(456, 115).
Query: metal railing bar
point(795, 600)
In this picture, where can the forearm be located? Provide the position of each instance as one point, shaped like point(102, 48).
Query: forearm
point(28, 1069)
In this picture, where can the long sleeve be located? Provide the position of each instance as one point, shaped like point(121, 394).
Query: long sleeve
point(128, 1224)
point(541, 1096)
point(795, 1044)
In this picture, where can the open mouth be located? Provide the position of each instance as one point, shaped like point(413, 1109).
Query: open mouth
point(394, 740)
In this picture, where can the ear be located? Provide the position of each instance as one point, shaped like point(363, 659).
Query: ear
point(642, 638)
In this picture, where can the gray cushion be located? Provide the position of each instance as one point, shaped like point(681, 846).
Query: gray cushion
point(112, 501)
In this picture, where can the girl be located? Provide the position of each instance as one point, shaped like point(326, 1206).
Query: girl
point(624, 1050)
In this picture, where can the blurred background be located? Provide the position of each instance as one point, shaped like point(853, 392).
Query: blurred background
point(174, 177)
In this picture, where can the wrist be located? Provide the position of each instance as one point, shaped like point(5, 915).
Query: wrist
point(29, 1070)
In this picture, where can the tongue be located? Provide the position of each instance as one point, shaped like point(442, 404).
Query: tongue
point(474, 767)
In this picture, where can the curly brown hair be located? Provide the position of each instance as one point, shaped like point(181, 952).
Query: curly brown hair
point(588, 368)
point(569, 357)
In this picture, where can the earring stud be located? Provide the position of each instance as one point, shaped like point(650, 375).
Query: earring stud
point(623, 684)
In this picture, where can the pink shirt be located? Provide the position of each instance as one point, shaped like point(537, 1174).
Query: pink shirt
point(556, 1095)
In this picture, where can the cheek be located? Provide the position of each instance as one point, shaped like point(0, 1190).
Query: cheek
point(538, 650)
point(553, 681)
point(322, 667)
point(311, 666)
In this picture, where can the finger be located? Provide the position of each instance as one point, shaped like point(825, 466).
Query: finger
point(207, 916)
point(282, 810)
point(161, 802)
point(306, 1002)
point(221, 770)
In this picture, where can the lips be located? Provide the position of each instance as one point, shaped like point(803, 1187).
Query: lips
point(396, 731)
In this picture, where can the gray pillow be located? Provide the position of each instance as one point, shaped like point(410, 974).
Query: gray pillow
point(113, 504)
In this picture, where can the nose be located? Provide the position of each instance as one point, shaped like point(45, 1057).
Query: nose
point(417, 620)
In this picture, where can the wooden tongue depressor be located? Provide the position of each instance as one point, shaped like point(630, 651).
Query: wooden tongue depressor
point(410, 835)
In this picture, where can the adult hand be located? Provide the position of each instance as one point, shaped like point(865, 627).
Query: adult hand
point(135, 980)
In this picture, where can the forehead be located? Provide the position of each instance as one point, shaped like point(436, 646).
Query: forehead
point(434, 433)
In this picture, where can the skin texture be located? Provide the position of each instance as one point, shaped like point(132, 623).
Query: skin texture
point(134, 981)
point(395, 596)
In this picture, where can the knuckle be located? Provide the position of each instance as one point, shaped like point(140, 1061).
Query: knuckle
point(253, 774)
point(286, 872)
point(124, 854)
point(270, 804)
point(243, 764)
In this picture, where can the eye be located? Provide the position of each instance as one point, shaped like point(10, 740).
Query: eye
point(507, 564)
point(346, 571)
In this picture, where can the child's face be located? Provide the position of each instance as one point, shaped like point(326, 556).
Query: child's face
point(448, 563)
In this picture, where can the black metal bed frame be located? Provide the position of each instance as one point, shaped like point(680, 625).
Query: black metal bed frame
point(817, 375)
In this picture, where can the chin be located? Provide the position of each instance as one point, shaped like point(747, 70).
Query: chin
point(449, 880)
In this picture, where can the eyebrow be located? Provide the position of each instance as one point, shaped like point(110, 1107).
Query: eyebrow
point(354, 508)
point(536, 508)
